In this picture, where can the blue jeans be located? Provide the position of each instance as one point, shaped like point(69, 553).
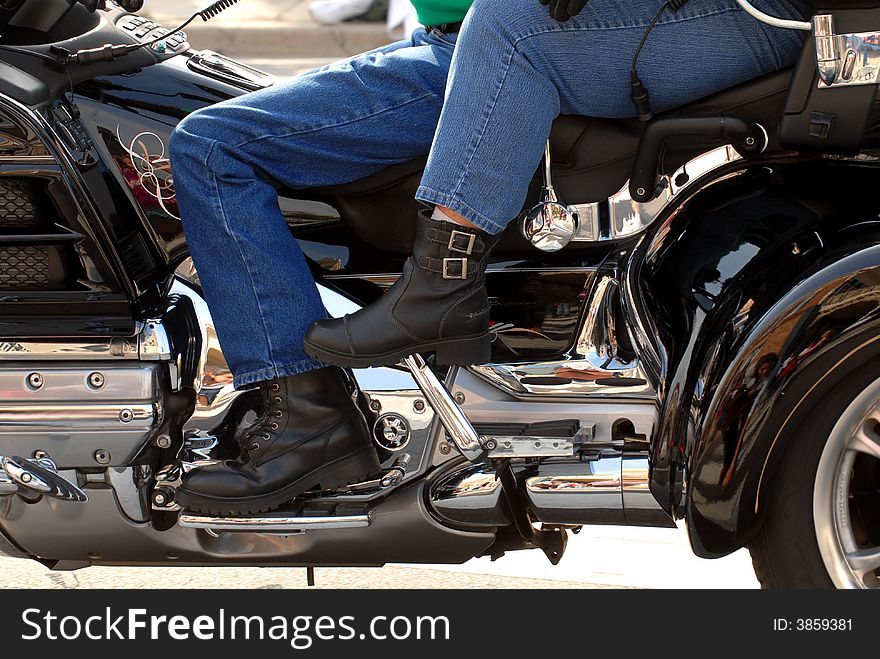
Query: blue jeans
point(514, 70)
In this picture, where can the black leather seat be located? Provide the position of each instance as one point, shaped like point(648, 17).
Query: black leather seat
point(592, 160)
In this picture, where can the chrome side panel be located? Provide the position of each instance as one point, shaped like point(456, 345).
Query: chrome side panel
point(94, 415)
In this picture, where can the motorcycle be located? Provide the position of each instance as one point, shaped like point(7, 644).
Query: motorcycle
point(691, 336)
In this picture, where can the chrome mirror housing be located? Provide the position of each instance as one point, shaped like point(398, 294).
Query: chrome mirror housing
point(550, 225)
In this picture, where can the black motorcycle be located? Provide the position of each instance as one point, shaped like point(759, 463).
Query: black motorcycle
point(694, 334)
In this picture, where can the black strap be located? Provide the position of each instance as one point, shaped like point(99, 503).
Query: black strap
point(444, 28)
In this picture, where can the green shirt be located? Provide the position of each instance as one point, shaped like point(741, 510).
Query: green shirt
point(438, 12)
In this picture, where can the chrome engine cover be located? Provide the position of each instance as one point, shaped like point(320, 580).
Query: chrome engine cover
point(89, 414)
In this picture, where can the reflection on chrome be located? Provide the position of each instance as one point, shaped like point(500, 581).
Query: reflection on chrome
point(627, 217)
point(212, 378)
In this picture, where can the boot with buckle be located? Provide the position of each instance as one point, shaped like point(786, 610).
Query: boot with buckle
point(310, 436)
point(438, 305)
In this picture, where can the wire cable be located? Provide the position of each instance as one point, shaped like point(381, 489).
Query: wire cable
point(109, 53)
point(639, 93)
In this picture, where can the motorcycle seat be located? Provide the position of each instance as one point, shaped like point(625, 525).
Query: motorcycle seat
point(592, 160)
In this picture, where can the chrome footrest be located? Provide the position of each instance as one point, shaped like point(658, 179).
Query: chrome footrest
point(39, 476)
point(275, 522)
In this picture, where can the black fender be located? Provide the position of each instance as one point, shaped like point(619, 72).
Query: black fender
point(734, 292)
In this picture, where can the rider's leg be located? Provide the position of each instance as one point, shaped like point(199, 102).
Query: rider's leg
point(515, 70)
point(327, 127)
point(331, 126)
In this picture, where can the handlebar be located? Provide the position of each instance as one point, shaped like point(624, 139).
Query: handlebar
point(130, 6)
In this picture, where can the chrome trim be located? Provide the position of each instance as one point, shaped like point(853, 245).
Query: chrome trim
point(61, 349)
point(603, 489)
point(28, 160)
point(86, 414)
point(484, 402)
point(271, 523)
point(784, 23)
point(471, 494)
point(41, 476)
point(118, 382)
point(153, 341)
point(453, 419)
point(549, 225)
point(598, 341)
point(100, 418)
point(628, 218)
point(211, 378)
point(130, 485)
point(537, 447)
point(845, 60)
point(827, 54)
point(576, 379)
point(217, 66)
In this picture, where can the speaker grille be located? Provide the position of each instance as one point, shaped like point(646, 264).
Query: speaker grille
point(18, 205)
point(25, 268)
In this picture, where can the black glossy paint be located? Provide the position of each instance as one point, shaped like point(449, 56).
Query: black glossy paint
point(736, 285)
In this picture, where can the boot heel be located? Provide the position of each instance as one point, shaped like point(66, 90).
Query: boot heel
point(465, 352)
point(355, 468)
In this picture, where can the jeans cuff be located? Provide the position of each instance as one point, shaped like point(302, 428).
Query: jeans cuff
point(456, 205)
point(252, 377)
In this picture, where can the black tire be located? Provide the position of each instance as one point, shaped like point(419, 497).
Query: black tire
point(785, 553)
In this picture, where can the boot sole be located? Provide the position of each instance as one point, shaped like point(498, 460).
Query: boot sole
point(463, 351)
point(353, 468)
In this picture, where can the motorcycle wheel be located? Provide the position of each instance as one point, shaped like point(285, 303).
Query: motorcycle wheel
point(822, 528)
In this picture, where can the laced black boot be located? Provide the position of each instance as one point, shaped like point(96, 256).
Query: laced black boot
point(438, 305)
point(311, 435)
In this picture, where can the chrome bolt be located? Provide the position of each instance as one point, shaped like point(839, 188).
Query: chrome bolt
point(491, 445)
point(459, 398)
point(39, 454)
point(159, 499)
point(163, 441)
point(126, 415)
point(750, 141)
point(102, 456)
point(26, 478)
point(419, 406)
point(96, 380)
point(640, 191)
point(35, 381)
point(375, 405)
point(445, 449)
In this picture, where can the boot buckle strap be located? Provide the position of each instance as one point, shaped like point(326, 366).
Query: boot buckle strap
point(449, 268)
point(462, 242)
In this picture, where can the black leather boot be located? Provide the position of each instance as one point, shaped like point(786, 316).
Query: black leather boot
point(438, 305)
point(311, 435)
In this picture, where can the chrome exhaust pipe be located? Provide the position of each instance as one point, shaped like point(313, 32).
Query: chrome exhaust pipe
point(611, 486)
point(607, 484)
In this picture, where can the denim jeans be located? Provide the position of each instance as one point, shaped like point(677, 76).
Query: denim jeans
point(513, 71)
point(516, 69)
point(334, 125)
